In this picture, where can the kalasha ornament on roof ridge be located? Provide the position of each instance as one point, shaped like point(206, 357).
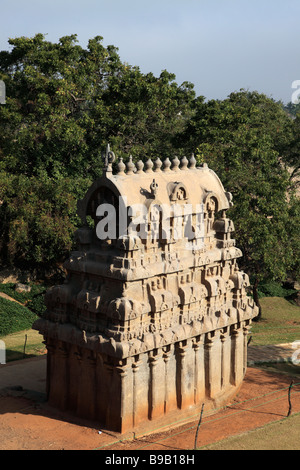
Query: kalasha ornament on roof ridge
point(153, 317)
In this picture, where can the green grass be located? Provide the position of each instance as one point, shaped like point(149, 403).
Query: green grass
point(14, 317)
point(34, 299)
point(280, 322)
point(16, 321)
point(281, 435)
point(23, 344)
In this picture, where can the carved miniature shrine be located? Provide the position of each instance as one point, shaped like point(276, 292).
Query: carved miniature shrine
point(153, 318)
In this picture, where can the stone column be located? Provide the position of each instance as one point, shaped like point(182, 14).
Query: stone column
point(101, 387)
point(50, 351)
point(74, 374)
point(119, 399)
point(213, 364)
point(111, 395)
point(237, 355)
point(170, 400)
point(167, 398)
point(199, 387)
point(246, 327)
point(157, 380)
point(185, 374)
point(226, 358)
point(124, 378)
point(140, 379)
point(87, 388)
point(135, 398)
point(59, 381)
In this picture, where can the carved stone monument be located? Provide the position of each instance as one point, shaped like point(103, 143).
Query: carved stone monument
point(153, 316)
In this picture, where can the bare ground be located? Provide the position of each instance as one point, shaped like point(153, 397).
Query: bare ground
point(28, 423)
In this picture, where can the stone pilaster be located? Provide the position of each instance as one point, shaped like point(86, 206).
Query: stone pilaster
point(199, 387)
point(246, 328)
point(185, 374)
point(169, 357)
point(141, 380)
point(237, 355)
point(213, 364)
point(74, 374)
point(166, 359)
point(87, 389)
point(57, 389)
point(102, 387)
point(226, 358)
point(156, 385)
point(139, 410)
point(125, 383)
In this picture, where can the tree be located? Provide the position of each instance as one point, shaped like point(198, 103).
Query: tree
point(37, 220)
point(65, 103)
point(243, 139)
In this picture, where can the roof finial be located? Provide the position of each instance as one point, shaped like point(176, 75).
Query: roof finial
point(176, 164)
point(140, 166)
point(153, 188)
point(167, 164)
point(148, 166)
point(193, 162)
point(121, 167)
point(157, 164)
point(108, 158)
point(130, 166)
point(184, 163)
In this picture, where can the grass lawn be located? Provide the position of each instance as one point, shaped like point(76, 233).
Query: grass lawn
point(281, 435)
point(280, 322)
point(14, 317)
point(23, 344)
point(16, 321)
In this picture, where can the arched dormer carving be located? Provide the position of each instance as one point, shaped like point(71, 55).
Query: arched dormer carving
point(211, 207)
point(178, 192)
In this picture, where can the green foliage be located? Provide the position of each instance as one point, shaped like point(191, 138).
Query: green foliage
point(14, 317)
point(22, 297)
point(33, 300)
point(38, 218)
point(64, 103)
point(243, 139)
point(274, 289)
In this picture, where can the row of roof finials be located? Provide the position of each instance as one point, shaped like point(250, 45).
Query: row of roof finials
point(149, 166)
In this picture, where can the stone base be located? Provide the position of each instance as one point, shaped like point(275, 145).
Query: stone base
point(122, 395)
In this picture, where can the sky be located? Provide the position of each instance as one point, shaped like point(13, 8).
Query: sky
point(221, 46)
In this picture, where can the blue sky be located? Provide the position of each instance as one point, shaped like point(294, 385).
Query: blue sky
point(218, 45)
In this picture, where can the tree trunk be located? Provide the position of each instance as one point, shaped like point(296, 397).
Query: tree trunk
point(256, 299)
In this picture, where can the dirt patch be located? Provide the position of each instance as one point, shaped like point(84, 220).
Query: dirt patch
point(28, 423)
point(7, 297)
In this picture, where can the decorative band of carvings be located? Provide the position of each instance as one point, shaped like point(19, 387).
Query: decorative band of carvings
point(130, 167)
point(70, 334)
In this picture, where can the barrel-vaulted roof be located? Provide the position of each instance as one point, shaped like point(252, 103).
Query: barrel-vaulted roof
point(165, 183)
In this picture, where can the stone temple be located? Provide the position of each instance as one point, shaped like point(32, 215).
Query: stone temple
point(153, 317)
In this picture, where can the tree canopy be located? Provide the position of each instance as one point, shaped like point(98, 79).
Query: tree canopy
point(245, 139)
point(64, 103)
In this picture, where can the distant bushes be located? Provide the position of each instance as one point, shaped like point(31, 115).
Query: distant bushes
point(15, 317)
point(274, 289)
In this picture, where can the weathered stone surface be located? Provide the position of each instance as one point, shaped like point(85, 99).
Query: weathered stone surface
point(155, 319)
point(22, 288)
